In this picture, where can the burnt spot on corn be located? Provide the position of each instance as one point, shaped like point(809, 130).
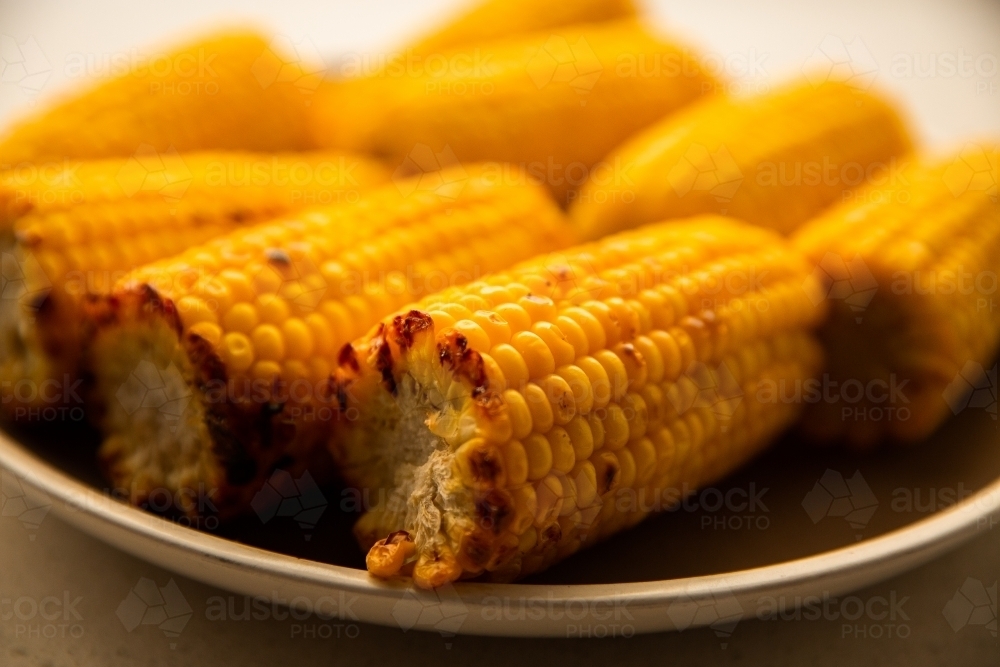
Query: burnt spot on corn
point(348, 358)
point(42, 305)
point(485, 465)
point(489, 403)
point(211, 369)
point(397, 537)
point(628, 349)
point(383, 364)
point(406, 327)
point(607, 479)
point(462, 361)
point(241, 471)
point(240, 215)
point(492, 510)
point(550, 536)
point(278, 258)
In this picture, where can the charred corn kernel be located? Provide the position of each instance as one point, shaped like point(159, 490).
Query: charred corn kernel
point(68, 234)
point(478, 339)
point(293, 325)
point(491, 19)
point(756, 158)
point(903, 323)
point(523, 107)
point(209, 331)
point(234, 110)
point(634, 427)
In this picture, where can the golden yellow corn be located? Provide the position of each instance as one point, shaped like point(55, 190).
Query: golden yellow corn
point(82, 230)
point(911, 271)
point(552, 103)
point(492, 19)
point(774, 160)
point(229, 91)
point(504, 424)
point(248, 328)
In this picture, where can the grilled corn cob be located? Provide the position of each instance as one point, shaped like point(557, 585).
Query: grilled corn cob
point(774, 160)
point(504, 424)
point(552, 103)
point(247, 328)
point(230, 91)
point(492, 19)
point(910, 269)
point(77, 235)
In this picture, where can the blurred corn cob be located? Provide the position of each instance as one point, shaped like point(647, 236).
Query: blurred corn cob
point(492, 19)
point(911, 270)
point(552, 103)
point(247, 328)
point(77, 234)
point(504, 424)
point(231, 91)
point(774, 160)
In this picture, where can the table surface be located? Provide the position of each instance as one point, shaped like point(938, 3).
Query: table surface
point(61, 591)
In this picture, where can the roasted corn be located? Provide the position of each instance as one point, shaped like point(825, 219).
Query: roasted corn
point(73, 237)
point(911, 271)
point(241, 334)
point(774, 160)
point(492, 19)
point(504, 424)
point(230, 92)
point(552, 103)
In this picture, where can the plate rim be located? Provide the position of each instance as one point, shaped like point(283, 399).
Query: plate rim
point(237, 565)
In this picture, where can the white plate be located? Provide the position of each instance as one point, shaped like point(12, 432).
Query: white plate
point(672, 572)
point(685, 569)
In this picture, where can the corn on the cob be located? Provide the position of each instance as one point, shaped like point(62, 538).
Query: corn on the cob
point(229, 92)
point(78, 235)
point(248, 327)
point(504, 424)
point(553, 103)
point(910, 269)
point(774, 160)
point(493, 19)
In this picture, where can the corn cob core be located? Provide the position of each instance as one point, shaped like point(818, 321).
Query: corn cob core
point(504, 424)
point(81, 233)
point(774, 160)
point(230, 91)
point(495, 19)
point(910, 270)
point(553, 103)
point(252, 324)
